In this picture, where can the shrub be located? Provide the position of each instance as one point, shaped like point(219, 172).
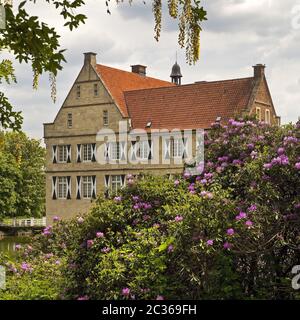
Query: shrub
point(232, 232)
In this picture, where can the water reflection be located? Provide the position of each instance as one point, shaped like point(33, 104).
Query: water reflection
point(8, 243)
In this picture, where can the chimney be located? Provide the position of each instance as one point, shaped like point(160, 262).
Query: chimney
point(259, 71)
point(90, 59)
point(139, 69)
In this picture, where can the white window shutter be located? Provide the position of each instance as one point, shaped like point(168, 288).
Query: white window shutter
point(68, 153)
point(94, 191)
point(69, 188)
point(107, 181)
point(133, 150)
point(123, 145)
point(93, 152)
point(150, 154)
point(54, 188)
point(184, 151)
point(54, 154)
point(78, 155)
point(167, 148)
point(78, 188)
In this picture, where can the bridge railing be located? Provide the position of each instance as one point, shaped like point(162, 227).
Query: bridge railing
point(26, 222)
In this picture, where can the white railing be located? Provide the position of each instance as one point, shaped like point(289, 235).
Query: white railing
point(27, 222)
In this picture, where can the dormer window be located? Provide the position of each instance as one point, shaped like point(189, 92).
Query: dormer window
point(78, 92)
point(69, 120)
point(96, 91)
point(105, 117)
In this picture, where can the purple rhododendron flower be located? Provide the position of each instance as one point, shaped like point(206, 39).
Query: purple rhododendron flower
point(89, 243)
point(227, 245)
point(100, 234)
point(170, 248)
point(176, 182)
point(210, 242)
point(252, 208)
point(118, 199)
point(125, 292)
point(83, 298)
point(160, 298)
point(230, 232)
point(178, 218)
point(56, 218)
point(18, 246)
point(281, 151)
point(297, 165)
point(249, 223)
point(105, 250)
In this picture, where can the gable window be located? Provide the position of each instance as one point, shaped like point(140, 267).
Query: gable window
point(70, 120)
point(62, 187)
point(177, 148)
point(87, 187)
point(78, 91)
point(267, 116)
point(258, 113)
point(87, 152)
point(114, 150)
point(96, 91)
point(105, 117)
point(63, 153)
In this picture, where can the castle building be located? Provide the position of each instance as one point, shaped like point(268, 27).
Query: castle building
point(87, 153)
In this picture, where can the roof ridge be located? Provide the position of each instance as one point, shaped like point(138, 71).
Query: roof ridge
point(193, 84)
point(133, 73)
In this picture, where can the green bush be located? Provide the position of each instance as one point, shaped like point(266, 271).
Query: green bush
point(232, 232)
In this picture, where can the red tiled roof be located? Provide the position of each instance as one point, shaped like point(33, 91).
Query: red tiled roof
point(190, 106)
point(117, 81)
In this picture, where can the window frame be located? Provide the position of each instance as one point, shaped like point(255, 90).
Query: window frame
point(105, 118)
point(62, 182)
point(96, 90)
point(78, 91)
point(119, 182)
point(268, 118)
point(63, 147)
point(87, 187)
point(87, 152)
point(69, 120)
point(258, 113)
point(178, 142)
point(143, 150)
point(113, 151)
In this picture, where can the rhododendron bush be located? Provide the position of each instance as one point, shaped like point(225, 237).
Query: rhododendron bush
point(231, 232)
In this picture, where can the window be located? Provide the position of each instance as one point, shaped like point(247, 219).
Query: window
point(267, 116)
point(105, 117)
point(177, 148)
point(78, 91)
point(62, 153)
point(96, 91)
point(143, 150)
point(87, 187)
point(62, 187)
point(258, 113)
point(87, 152)
point(70, 120)
point(116, 183)
point(114, 151)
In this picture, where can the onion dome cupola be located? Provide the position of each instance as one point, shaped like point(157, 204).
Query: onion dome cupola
point(176, 74)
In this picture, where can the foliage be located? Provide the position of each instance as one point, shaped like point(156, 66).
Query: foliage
point(33, 41)
point(22, 185)
point(231, 232)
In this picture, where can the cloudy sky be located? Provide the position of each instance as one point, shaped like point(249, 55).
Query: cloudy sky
point(237, 35)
